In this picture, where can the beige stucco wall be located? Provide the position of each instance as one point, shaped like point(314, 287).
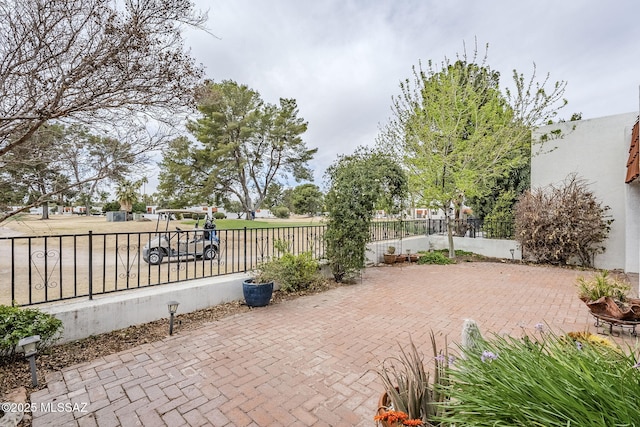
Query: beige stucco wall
point(597, 150)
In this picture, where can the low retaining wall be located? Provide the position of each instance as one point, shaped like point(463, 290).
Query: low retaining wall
point(375, 251)
point(494, 248)
point(108, 313)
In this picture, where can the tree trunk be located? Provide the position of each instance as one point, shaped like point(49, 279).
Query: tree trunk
point(450, 224)
point(45, 210)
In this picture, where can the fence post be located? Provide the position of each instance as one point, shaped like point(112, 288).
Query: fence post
point(13, 272)
point(90, 264)
point(245, 249)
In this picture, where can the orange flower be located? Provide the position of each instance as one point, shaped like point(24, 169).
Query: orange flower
point(415, 422)
point(392, 417)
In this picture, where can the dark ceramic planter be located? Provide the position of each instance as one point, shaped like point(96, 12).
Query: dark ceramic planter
point(257, 294)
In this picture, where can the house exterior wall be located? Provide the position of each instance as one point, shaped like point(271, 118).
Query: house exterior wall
point(596, 150)
point(632, 246)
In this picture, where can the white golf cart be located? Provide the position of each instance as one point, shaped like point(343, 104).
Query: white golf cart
point(199, 242)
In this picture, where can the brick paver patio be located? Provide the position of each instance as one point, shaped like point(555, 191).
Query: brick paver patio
point(307, 362)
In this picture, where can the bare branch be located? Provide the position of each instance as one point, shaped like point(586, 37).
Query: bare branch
point(90, 60)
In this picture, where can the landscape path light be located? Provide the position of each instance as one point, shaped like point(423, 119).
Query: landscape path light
point(29, 345)
point(173, 307)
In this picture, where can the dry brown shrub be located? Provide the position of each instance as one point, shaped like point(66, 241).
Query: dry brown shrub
point(562, 224)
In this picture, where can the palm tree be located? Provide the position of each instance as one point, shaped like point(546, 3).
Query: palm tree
point(127, 194)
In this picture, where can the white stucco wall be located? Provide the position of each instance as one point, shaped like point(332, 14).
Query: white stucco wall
point(597, 150)
point(106, 313)
point(495, 248)
point(632, 246)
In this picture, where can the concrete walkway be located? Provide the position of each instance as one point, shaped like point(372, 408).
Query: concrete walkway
point(307, 362)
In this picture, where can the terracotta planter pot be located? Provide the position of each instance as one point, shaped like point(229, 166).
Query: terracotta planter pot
point(382, 407)
point(606, 306)
point(389, 258)
point(383, 404)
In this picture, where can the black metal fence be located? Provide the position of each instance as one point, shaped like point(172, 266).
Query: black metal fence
point(39, 269)
point(485, 229)
point(462, 228)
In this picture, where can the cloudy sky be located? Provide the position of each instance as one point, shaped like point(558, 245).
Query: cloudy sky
point(343, 60)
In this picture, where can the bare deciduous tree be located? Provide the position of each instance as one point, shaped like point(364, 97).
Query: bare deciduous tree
point(60, 162)
point(103, 62)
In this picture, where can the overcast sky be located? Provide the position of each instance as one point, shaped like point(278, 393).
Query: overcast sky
point(343, 60)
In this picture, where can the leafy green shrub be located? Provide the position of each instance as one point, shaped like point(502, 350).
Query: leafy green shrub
point(562, 223)
point(281, 212)
point(551, 380)
point(601, 285)
point(17, 323)
point(360, 184)
point(435, 258)
point(299, 272)
point(139, 207)
point(219, 215)
point(111, 207)
point(498, 224)
point(293, 273)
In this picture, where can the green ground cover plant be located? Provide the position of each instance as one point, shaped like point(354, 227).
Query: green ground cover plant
point(441, 257)
point(17, 323)
point(435, 258)
point(548, 380)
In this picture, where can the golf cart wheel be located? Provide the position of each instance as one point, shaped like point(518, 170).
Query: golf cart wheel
point(210, 252)
point(155, 256)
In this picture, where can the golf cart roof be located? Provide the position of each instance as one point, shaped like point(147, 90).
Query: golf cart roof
point(182, 211)
point(168, 212)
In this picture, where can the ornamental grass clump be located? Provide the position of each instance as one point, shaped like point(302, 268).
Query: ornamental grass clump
point(410, 389)
point(602, 285)
point(548, 380)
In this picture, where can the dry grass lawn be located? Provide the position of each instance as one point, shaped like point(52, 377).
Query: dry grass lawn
point(74, 224)
point(32, 225)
